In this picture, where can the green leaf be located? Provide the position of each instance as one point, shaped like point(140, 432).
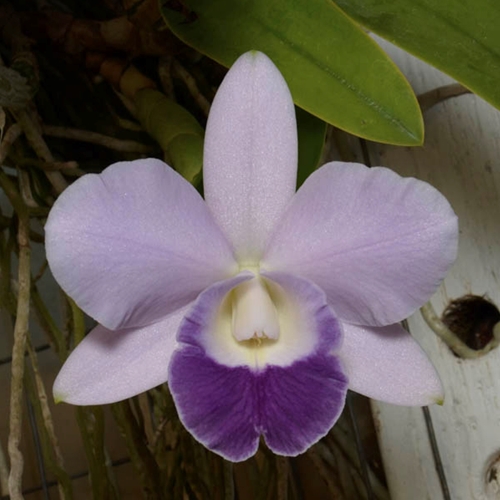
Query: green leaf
point(461, 38)
point(334, 70)
point(311, 134)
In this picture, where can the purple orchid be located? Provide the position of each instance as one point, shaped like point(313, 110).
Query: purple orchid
point(260, 306)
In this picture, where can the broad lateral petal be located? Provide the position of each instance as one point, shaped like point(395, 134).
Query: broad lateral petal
point(250, 155)
point(388, 364)
point(378, 244)
point(135, 243)
point(108, 366)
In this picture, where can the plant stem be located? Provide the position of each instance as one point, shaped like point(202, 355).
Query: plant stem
point(40, 147)
point(192, 86)
point(126, 146)
point(227, 469)
point(50, 444)
point(78, 321)
point(326, 473)
point(4, 473)
point(48, 325)
point(282, 478)
point(140, 455)
point(13, 132)
point(20, 334)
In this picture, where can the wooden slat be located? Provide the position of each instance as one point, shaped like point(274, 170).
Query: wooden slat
point(461, 157)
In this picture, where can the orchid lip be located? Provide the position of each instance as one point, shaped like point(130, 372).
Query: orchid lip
point(288, 391)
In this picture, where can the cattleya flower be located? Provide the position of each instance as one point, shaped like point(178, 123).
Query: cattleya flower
point(258, 305)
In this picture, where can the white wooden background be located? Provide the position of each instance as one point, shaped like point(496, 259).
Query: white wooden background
point(460, 157)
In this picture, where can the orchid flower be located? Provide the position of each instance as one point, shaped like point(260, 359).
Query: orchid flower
point(259, 306)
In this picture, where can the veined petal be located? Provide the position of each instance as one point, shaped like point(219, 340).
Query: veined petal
point(290, 390)
point(378, 244)
point(135, 243)
point(387, 364)
point(250, 155)
point(108, 366)
point(228, 409)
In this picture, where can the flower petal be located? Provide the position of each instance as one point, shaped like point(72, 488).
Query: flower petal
point(108, 366)
point(387, 364)
point(299, 404)
point(250, 155)
point(135, 243)
point(307, 323)
point(228, 395)
point(227, 409)
point(215, 403)
point(376, 243)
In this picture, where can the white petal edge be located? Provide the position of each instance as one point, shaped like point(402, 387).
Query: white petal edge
point(250, 155)
point(109, 366)
point(387, 364)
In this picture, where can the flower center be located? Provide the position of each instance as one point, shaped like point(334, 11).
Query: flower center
point(254, 314)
